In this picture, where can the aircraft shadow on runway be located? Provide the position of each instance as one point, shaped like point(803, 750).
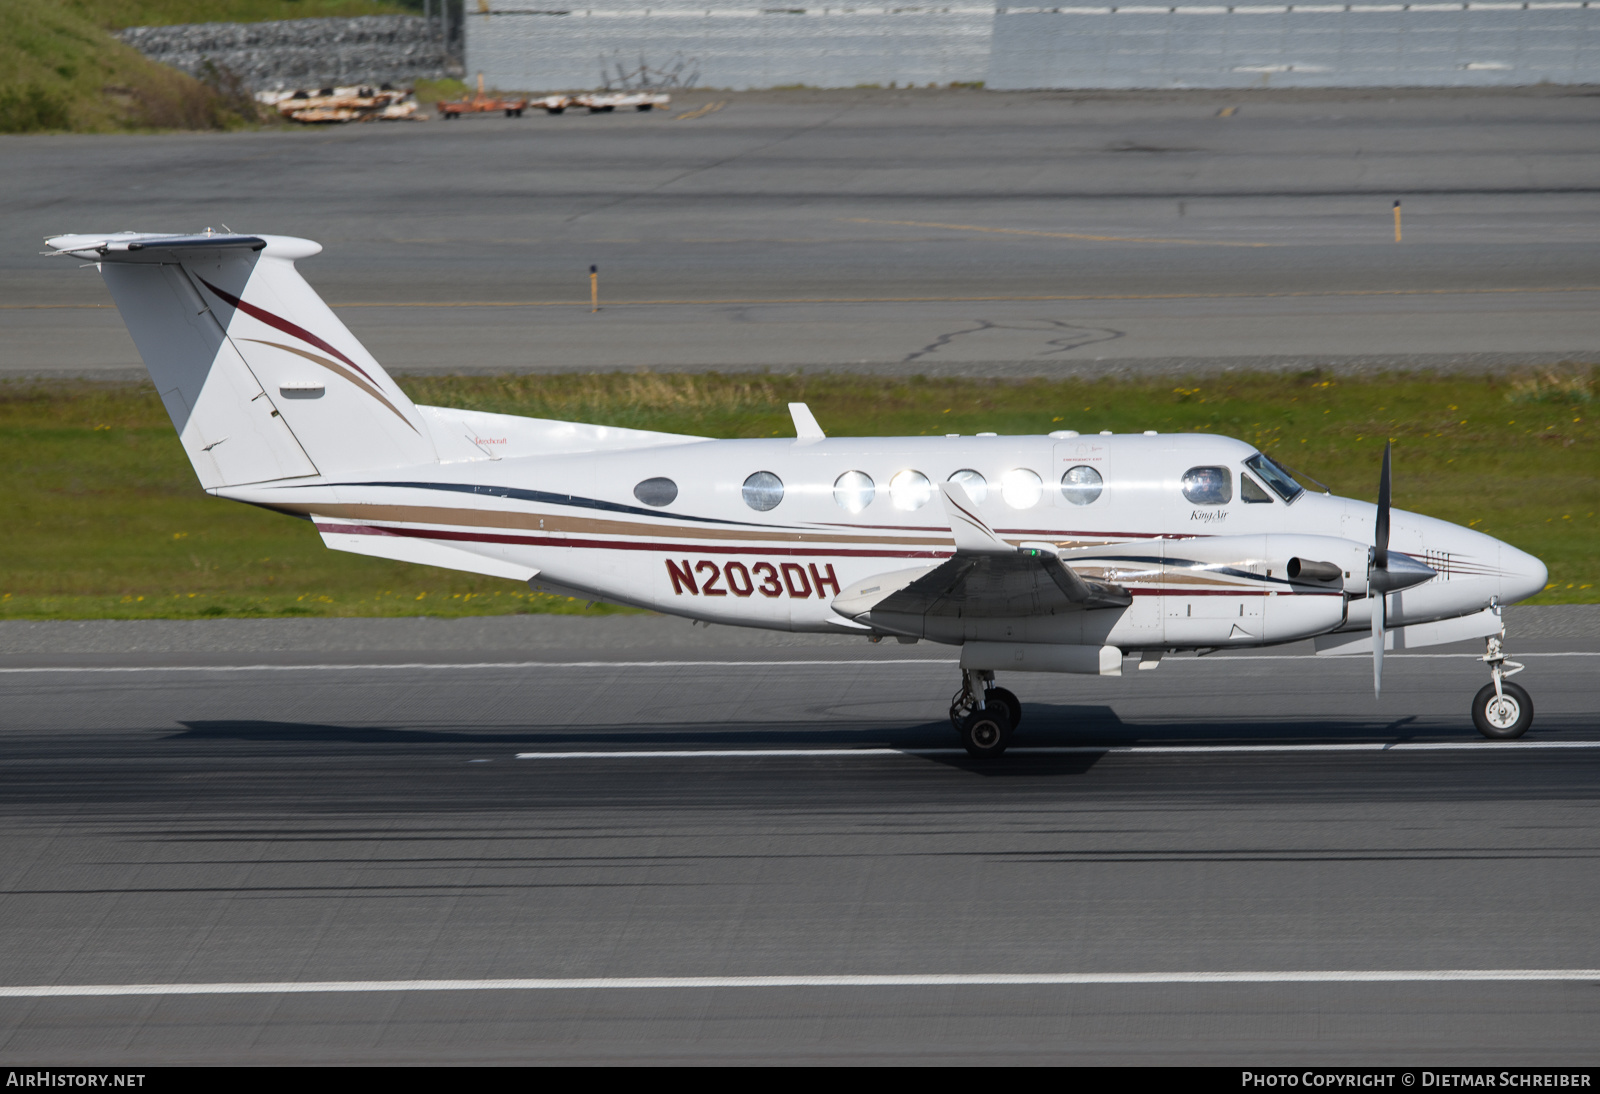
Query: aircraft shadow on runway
point(1044, 726)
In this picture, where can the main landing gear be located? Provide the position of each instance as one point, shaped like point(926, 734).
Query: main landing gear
point(984, 725)
point(1501, 710)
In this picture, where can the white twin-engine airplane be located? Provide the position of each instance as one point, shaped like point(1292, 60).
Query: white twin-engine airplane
point(1062, 553)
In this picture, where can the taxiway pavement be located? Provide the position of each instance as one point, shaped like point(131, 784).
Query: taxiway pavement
point(948, 232)
point(358, 812)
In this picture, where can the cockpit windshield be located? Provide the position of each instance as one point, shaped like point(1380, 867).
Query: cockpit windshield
point(1281, 481)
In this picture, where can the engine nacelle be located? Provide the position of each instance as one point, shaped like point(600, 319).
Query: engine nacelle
point(1313, 562)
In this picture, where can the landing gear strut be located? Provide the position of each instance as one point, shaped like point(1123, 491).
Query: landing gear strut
point(984, 724)
point(1501, 710)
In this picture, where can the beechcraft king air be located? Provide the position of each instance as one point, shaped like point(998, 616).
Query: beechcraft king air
point(1060, 553)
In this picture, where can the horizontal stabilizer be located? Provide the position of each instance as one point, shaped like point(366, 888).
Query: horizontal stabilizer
point(151, 246)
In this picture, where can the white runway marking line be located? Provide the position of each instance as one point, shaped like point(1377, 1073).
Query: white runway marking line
point(412, 666)
point(1144, 750)
point(908, 980)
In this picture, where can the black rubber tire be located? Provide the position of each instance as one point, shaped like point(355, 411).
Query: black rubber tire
point(643, 107)
point(1012, 704)
point(555, 110)
point(1522, 709)
point(986, 733)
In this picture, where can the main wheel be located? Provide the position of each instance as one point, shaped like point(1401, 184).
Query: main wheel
point(1505, 716)
point(986, 732)
point(1012, 704)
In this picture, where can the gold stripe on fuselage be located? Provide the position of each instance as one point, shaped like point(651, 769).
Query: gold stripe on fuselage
point(571, 525)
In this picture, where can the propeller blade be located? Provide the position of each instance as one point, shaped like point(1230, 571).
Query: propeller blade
point(1377, 645)
point(1380, 557)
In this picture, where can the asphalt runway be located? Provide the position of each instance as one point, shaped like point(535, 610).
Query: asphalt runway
point(941, 232)
point(364, 818)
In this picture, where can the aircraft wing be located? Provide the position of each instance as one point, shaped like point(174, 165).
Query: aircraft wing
point(986, 577)
point(1025, 582)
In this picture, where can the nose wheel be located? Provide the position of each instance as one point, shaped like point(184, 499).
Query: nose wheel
point(1501, 710)
point(1503, 715)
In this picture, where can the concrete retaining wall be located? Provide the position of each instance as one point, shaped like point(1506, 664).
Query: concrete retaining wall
point(537, 45)
point(732, 44)
point(1299, 45)
point(374, 49)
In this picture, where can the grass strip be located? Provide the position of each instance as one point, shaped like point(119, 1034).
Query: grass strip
point(62, 71)
point(104, 518)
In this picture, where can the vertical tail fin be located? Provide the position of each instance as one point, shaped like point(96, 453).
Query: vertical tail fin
point(261, 379)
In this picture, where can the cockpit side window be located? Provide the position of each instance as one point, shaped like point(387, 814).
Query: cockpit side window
point(1281, 481)
point(1208, 485)
point(1250, 490)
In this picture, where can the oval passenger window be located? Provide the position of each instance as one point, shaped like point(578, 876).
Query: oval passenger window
point(1081, 485)
point(853, 491)
point(763, 491)
point(1021, 488)
point(1208, 485)
point(976, 485)
point(910, 490)
point(656, 491)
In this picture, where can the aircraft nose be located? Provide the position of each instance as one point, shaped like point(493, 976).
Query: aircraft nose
point(1521, 575)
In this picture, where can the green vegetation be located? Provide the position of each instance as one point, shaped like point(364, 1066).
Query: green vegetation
point(104, 519)
point(433, 91)
point(61, 71)
point(116, 14)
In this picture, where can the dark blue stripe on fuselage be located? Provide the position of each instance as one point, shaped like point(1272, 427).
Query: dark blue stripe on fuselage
point(545, 497)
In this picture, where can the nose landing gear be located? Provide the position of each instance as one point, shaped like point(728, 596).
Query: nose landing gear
point(985, 724)
point(1501, 710)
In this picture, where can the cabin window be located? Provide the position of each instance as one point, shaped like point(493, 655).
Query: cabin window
point(1273, 475)
point(1251, 491)
point(854, 491)
point(976, 485)
point(1021, 488)
point(763, 491)
point(657, 492)
point(910, 490)
point(1081, 485)
point(1208, 485)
